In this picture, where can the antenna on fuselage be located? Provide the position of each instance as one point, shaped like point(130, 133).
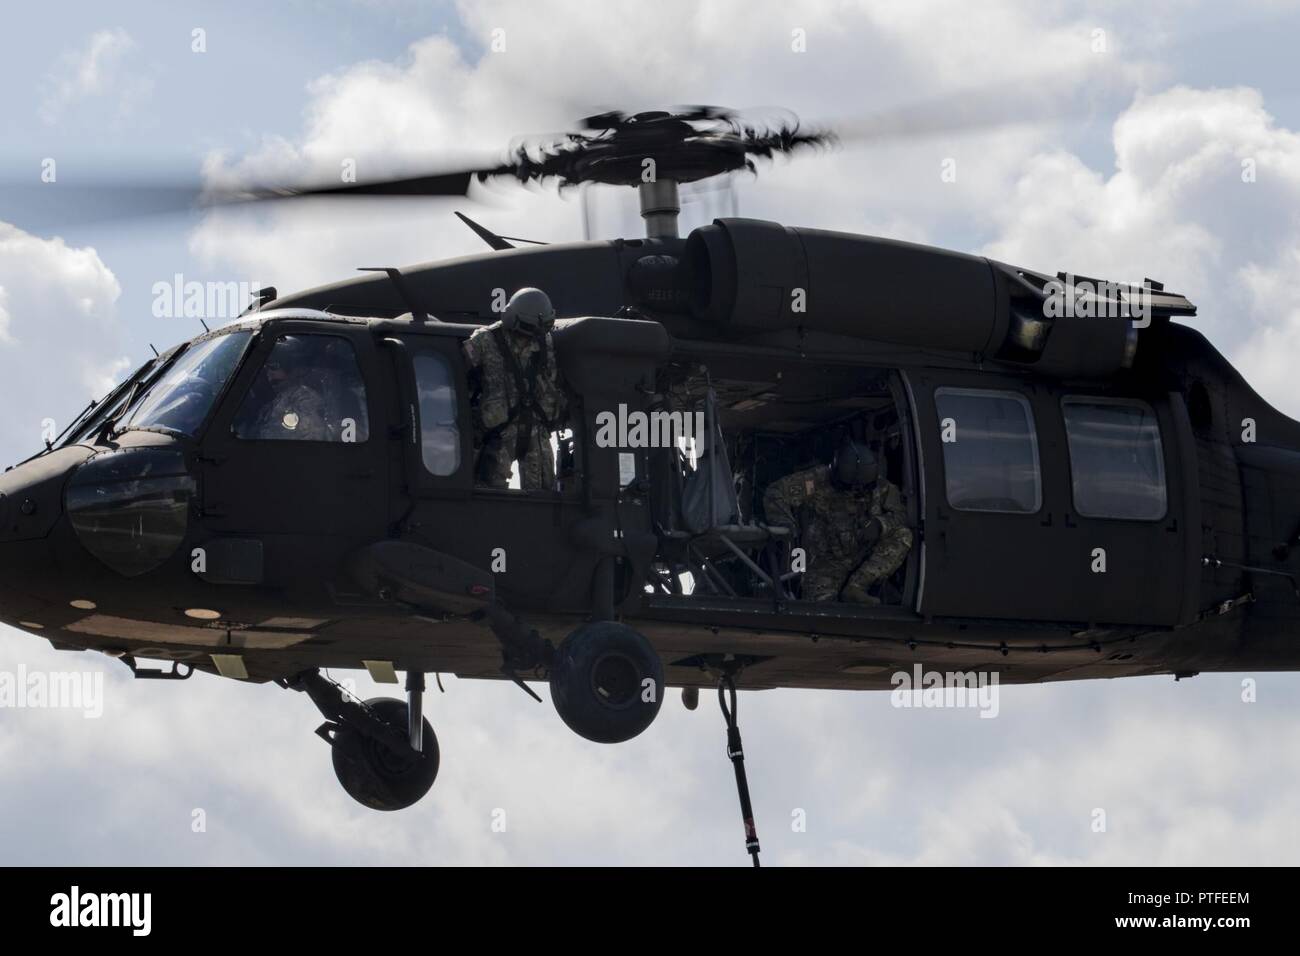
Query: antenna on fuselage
point(404, 292)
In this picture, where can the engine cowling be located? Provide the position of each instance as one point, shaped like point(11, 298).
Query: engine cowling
point(751, 276)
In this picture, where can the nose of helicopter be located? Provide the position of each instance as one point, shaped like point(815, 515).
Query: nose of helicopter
point(31, 504)
point(31, 494)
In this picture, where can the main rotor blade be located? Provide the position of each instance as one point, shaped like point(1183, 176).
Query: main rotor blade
point(80, 200)
point(1034, 99)
point(438, 184)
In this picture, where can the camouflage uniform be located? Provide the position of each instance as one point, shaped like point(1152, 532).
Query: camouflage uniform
point(683, 387)
point(296, 412)
point(834, 531)
point(513, 423)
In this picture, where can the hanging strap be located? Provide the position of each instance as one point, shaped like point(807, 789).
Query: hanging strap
point(735, 751)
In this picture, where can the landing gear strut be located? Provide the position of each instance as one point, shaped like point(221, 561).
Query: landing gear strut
point(385, 753)
point(415, 710)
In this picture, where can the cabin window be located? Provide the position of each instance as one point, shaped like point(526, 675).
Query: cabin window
point(990, 450)
point(1117, 466)
point(439, 433)
point(309, 389)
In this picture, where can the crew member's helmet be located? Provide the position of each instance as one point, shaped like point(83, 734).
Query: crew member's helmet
point(530, 312)
point(854, 466)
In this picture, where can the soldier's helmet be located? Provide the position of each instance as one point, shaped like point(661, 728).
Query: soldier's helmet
point(297, 359)
point(287, 356)
point(854, 466)
point(529, 311)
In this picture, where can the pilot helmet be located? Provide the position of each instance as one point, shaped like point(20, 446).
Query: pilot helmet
point(287, 355)
point(854, 466)
point(529, 312)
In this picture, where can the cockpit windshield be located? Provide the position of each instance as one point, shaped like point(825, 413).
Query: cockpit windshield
point(180, 399)
point(96, 413)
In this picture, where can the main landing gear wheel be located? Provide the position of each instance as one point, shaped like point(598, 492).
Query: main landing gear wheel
point(376, 775)
point(607, 682)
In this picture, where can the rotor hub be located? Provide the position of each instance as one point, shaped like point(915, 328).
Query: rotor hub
point(618, 149)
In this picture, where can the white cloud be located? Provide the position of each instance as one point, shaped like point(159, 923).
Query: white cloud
point(98, 70)
point(60, 338)
point(5, 318)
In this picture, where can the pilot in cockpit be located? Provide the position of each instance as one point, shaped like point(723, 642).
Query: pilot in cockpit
point(292, 406)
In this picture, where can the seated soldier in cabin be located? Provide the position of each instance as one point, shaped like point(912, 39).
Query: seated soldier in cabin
point(851, 524)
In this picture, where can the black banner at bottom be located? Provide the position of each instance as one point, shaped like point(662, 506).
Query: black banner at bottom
point(337, 905)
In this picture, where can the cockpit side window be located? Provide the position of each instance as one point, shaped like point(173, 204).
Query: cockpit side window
point(179, 400)
point(439, 432)
point(309, 389)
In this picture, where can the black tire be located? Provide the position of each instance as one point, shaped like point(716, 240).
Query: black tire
point(373, 774)
point(598, 682)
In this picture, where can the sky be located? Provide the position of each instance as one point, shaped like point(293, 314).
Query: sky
point(1156, 140)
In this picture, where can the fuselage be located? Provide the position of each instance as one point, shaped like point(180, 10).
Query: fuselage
point(1123, 504)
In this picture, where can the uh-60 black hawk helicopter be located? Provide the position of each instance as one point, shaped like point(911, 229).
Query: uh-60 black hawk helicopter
point(1117, 500)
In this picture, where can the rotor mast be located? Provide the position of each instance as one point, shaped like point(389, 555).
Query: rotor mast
point(660, 206)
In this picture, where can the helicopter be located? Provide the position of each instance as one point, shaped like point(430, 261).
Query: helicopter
point(1092, 488)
